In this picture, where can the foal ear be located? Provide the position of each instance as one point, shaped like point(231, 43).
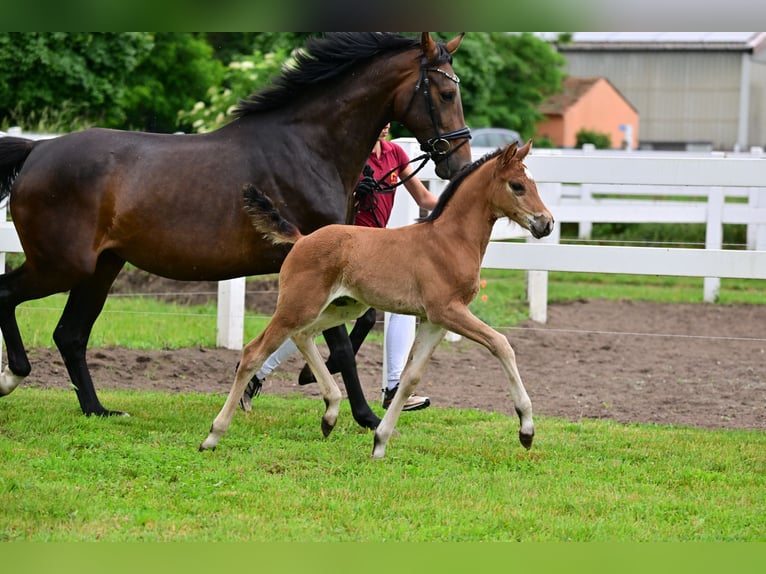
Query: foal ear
point(428, 46)
point(507, 156)
point(453, 44)
point(524, 150)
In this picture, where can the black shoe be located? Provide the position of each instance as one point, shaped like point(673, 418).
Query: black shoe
point(413, 403)
point(253, 389)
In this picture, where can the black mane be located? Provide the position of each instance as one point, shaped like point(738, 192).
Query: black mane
point(455, 182)
point(324, 58)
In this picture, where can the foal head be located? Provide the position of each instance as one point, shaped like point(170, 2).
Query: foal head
point(514, 192)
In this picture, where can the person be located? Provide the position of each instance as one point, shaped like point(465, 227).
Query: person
point(386, 166)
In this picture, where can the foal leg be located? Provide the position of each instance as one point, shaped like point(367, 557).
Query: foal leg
point(427, 338)
point(253, 355)
point(340, 345)
point(458, 319)
point(330, 390)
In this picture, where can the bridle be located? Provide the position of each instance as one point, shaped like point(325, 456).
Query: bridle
point(437, 148)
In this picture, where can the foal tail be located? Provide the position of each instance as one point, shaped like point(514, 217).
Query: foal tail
point(266, 217)
point(13, 154)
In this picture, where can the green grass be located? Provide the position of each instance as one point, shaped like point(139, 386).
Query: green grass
point(145, 323)
point(450, 475)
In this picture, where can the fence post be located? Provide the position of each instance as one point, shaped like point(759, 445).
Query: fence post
point(756, 232)
point(231, 313)
point(537, 281)
point(585, 228)
point(713, 238)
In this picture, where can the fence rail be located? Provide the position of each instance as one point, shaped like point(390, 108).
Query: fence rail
point(567, 183)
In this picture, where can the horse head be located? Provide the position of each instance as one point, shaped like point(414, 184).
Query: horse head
point(433, 111)
point(515, 193)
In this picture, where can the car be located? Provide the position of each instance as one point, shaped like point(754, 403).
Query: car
point(494, 137)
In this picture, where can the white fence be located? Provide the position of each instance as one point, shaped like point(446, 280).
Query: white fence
point(570, 184)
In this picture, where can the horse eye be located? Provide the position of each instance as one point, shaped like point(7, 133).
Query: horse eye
point(448, 96)
point(517, 188)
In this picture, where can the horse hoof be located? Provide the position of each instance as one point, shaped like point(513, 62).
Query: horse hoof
point(208, 444)
point(108, 413)
point(378, 448)
point(526, 440)
point(9, 381)
point(367, 420)
point(327, 428)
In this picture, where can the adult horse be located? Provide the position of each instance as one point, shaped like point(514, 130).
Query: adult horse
point(435, 275)
point(85, 203)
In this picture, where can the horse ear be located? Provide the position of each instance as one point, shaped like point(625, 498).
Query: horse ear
point(428, 46)
point(453, 44)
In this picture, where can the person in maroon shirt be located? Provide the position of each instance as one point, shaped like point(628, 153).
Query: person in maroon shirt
point(387, 165)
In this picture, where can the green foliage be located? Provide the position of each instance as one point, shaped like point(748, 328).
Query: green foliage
point(242, 77)
point(155, 81)
point(504, 77)
point(173, 76)
point(448, 475)
point(598, 139)
point(81, 75)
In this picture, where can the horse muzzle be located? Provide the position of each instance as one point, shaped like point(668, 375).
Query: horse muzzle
point(541, 226)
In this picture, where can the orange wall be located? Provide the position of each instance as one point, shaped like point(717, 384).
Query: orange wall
point(601, 109)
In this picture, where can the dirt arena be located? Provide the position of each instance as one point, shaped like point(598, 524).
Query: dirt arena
point(676, 364)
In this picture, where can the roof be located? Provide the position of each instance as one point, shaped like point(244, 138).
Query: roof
point(572, 90)
point(728, 41)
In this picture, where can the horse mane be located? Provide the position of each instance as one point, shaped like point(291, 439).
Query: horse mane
point(455, 182)
point(324, 58)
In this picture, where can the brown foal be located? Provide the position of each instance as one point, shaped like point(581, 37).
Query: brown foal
point(429, 269)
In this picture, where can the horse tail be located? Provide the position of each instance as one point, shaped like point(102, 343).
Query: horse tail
point(13, 154)
point(266, 217)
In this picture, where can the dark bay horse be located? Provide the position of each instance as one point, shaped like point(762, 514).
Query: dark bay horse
point(85, 203)
point(340, 271)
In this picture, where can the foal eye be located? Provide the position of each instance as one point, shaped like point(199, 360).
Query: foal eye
point(448, 96)
point(517, 188)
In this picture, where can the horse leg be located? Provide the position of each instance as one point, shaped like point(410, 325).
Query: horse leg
point(427, 339)
point(71, 336)
point(362, 328)
point(459, 319)
point(330, 390)
point(340, 346)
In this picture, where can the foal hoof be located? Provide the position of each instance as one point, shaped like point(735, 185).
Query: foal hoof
point(327, 428)
point(306, 377)
point(526, 440)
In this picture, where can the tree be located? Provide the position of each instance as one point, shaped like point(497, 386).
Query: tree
point(173, 76)
point(504, 77)
point(77, 77)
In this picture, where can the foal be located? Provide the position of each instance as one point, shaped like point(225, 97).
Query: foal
point(429, 269)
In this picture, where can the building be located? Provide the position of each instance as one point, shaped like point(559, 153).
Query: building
point(693, 90)
point(592, 104)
